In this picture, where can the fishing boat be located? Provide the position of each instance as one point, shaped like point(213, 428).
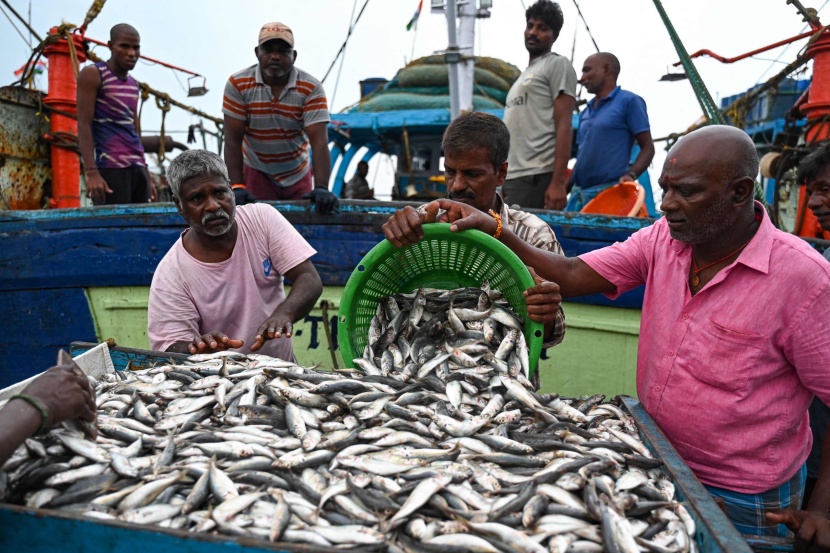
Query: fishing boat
point(84, 273)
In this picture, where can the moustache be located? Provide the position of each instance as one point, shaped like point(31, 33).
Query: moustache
point(461, 196)
point(221, 214)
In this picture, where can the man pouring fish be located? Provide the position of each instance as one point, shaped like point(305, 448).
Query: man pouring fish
point(475, 149)
point(732, 344)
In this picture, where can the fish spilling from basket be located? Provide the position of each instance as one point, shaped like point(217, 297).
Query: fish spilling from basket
point(446, 332)
point(438, 444)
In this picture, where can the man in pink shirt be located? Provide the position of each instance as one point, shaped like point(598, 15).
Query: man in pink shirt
point(221, 284)
point(734, 331)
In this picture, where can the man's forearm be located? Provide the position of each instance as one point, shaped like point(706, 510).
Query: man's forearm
point(233, 160)
point(18, 421)
point(321, 165)
point(86, 146)
point(561, 156)
point(641, 162)
point(548, 265)
point(302, 297)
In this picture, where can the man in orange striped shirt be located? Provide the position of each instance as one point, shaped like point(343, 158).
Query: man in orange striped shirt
point(274, 112)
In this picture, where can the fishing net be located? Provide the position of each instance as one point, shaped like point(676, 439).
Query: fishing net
point(424, 84)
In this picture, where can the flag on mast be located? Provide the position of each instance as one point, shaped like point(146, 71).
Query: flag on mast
point(39, 68)
point(413, 23)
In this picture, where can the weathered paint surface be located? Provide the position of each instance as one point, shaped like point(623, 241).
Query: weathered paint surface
point(35, 325)
point(45, 531)
point(25, 171)
point(122, 245)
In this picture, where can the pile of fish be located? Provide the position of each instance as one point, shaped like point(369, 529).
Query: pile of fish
point(438, 443)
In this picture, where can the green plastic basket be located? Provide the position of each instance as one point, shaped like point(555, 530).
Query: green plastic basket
point(443, 259)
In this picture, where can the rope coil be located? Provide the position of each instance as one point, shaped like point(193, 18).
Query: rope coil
point(163, 103)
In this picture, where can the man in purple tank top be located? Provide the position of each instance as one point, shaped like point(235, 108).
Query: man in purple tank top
point(108, 127)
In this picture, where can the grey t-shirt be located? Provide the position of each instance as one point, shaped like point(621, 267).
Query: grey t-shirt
point(528, 114)
point(827, 254)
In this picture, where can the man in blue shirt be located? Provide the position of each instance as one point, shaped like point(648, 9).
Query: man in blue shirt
point(608, 128)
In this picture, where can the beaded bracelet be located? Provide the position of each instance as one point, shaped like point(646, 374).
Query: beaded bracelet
point(497, 217)
point(44, 414)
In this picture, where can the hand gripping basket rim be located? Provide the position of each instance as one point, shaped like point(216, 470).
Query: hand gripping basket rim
point(386, 269)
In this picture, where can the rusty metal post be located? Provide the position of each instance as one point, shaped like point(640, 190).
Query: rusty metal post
point(24, 154)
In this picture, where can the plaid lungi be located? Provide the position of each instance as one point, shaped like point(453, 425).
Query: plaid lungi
point(746, 511)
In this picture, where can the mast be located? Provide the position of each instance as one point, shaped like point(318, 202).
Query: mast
point(453, 57)
point(459, 53)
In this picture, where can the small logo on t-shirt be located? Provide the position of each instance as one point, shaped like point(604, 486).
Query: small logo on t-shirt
point(266, 265)
point(520, 100)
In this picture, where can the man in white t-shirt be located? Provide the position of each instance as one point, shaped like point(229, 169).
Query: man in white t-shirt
point(221, 284)
point(538, 113)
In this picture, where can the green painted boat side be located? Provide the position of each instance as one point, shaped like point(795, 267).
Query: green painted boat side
point(598, 355)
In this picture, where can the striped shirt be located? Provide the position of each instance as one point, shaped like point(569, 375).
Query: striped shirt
point(538, 234)
point(117, 144)
point(275, 142)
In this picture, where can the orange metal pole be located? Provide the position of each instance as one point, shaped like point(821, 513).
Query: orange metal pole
point(817, 110)
point(63, 86)
point(153, 60)
point(722, 59)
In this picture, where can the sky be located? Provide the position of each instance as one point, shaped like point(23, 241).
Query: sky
point(216, 38)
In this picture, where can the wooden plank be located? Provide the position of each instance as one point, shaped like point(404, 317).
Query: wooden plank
point(714, 532)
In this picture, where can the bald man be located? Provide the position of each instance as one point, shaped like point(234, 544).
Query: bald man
point(734, 334)
point(609, 126)
point(108, 126)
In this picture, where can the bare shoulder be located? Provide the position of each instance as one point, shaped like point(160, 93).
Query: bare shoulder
point(89, 75)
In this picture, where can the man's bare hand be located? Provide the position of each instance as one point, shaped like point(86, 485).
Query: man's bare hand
point(811, 528)
point(461, 216)
point(405, 226)
point(556, 196)
point(543, 300)
point(274, 327)
point(97, 188)
point(64, 391)
point(212, 342)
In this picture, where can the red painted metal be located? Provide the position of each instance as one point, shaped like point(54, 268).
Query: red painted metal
point(148, 58)
point(63, 86)
point(817, 110)
point(722, 59)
